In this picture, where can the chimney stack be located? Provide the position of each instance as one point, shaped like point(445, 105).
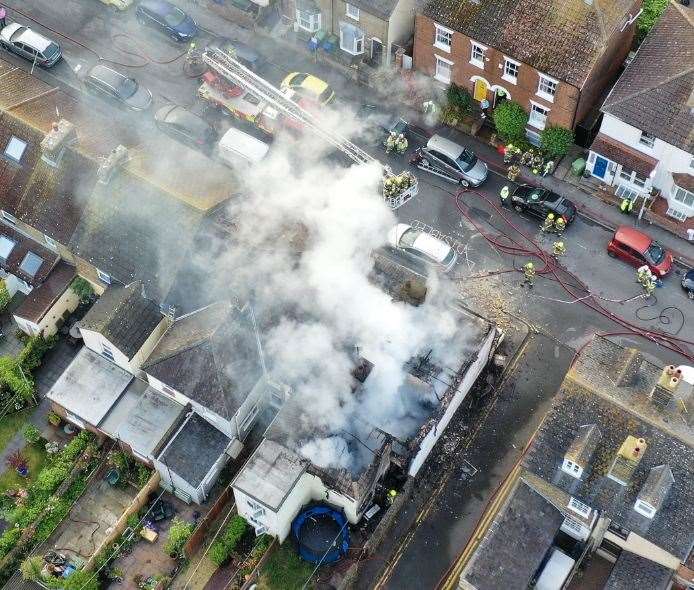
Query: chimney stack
point(116, 158)
point(667, 386)
point(627, 459)
point(61, 135)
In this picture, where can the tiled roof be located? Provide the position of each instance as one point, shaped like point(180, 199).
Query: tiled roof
point(624, 155)
point(562, 38)
point(42, 298)
point(632, 571)
point(584, 444)
point(211, 356)
point(686, 181)
point(124, 316)
point(23, 246)
point(654, 93)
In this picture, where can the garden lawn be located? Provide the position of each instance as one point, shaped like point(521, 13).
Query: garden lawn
point(285, 570)
point(36, 457)
point(12, 424)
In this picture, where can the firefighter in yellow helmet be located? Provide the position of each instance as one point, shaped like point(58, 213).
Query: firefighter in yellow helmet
point(558, 248)
point(529, 272)
point(559, 225)
point(548, 223)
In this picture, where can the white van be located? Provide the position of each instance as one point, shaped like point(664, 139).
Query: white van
point(237, 147)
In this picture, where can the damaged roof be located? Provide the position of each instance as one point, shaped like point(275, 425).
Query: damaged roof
point(211, 356)
point(124, 316)
point(656, 91)
point(562, 38)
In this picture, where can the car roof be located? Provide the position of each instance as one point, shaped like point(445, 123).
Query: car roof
point(314, 84)
point(106, 74)
point(445, 146)
point(432, 246)
point(633, 237)
point(34, 39)
point(182, 116)
point(157, 5)
point(238, 141)
point(10, 30)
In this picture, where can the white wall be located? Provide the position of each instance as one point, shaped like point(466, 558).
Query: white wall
point(159, 386)
point(470, 377)
point(94, 341)
point(171, 481)
point(400, 27)
point(14, 284)
point(68, 301)
point(149, 344)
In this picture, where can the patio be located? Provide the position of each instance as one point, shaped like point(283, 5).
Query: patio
point(10, 345)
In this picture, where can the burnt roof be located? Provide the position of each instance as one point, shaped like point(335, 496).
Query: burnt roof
point(23, 247)
point(42, 298)
point(124, 316)
point(654, 92)
point(515, 544)
point(562, 38)
point(211, 356)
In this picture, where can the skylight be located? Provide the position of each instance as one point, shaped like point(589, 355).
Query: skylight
point(31, 264)
point(6, 247)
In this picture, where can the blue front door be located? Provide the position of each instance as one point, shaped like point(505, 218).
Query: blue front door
point(600, 167)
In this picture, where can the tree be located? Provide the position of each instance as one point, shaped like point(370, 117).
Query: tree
point(82, 288)
point(31, 568)
point(12, 375)
point(652, 10)
point(5, 296)
point(510, 120)
point(32, 434)
point(179, 533)
point(556, 141)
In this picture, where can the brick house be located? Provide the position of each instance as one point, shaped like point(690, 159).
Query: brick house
point(554, 57)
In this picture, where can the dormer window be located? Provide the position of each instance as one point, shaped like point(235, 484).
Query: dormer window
point(647, 139)
point(644, 509)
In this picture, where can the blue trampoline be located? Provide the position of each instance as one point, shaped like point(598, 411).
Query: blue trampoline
point(321, 534)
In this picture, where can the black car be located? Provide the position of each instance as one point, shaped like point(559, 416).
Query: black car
point(166, 18)
point(384, 121)
point(539, 202)
point(688, 283)
point(185, 126)
point(243, 53)
point(118, 88)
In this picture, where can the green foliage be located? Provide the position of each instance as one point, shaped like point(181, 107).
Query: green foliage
point(31, 568)
point(142, 474)
point(510, 120)
point(32, 434)
point(17, 381)
point(82, 288)
point(652, 10)
point(259, 549)
point(556, 141)
point(458, 104)
point(81, 580)
point(8, 540)
point(120, 461)
point(285, 570)
point(225, 544)
point(179, 533)
point(5, 297)
point(35, 348)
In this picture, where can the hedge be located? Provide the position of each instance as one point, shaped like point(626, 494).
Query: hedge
point(225, 544)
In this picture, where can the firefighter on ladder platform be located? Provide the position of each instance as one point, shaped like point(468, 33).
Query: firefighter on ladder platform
point(391, 142)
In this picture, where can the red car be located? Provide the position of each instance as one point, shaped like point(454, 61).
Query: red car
point(638, 248)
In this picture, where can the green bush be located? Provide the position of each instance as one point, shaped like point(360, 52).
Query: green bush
point(179, 533)
point(652, 10)
point(556, 141)
point(510, 120)
point(225, 544)
point(459, 99)
point(32, 434)
point(35, 348)
point(15, 378)
point(31, 568)
point(82, 288)
point(8, 540)
point(143, 473)
point(80, 580)
point(5, 296)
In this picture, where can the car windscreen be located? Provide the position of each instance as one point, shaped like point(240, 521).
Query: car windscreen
point(127, 87)
point(298, 79)
point(325, 95)
point(51, 51)
point(449, 257)
point(655, 253)
point(408, 238)
point(467, 160)
point(174, 17)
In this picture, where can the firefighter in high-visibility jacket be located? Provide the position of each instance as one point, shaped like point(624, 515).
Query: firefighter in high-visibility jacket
point(529, 272)
point(548, 223)
point(505, 194)
point(559, 225)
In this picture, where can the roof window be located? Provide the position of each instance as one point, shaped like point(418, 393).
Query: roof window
point(6, 247)
point(31, 264)
point(15, 149)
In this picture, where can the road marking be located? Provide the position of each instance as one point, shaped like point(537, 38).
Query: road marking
point(460, 247)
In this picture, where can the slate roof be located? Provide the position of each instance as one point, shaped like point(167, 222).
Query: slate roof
point(562, 38)
point(629, 157)
point(515, 544)
point(584, 444)
point(124, 317)
point(42, 298)
point(23, 246)
point(194, 449)
point(657, 485)
point(211, 356)
point(654, 92)
point(632, 571)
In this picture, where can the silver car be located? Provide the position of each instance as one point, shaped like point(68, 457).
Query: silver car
point(117, 88)
point(30, 45)
point(454, 162)
point(422, 246)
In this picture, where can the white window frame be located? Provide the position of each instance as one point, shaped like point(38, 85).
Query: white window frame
point(248, 420)
point(104, 277)
point(355, 50)
point(352, 11)
point(675, 193)
point(631, 177)
point(449, 63)
point(534, 123)
point(478, 63)
point(50, 242)
point(644, 508)
point(546, 80)
point(626, 192)
point(677, 214)
point(691, 163)
point(107, 352)
point(15, 140)
point(579, 507)
point(10, 218)
point(510, 77)
point(649, 137)
point(445, 34)
point(532, 136)
point(313, 20)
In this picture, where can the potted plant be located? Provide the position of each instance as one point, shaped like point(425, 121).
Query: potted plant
point(53, 419)
point(19, 463)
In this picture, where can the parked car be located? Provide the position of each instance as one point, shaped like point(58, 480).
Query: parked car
point(185, 126)
point(118, 4)
point(539, 202)
point(117, 88)
point(30, 45)
point(638, 248)
point(688, 283)
point(309, 86)
point(238, 148)
point(454, 162)
point(167, 18)
point(422, 246)
point(384, 121)
point(243, 53)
